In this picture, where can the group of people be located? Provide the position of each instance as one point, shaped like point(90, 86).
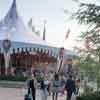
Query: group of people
point(61, 85)
point(50, 87)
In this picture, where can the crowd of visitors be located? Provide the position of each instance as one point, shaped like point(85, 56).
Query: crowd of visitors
point(54, 86)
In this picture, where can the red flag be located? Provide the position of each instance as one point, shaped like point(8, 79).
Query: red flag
point(67, 34)
point(87, 43)
point(76, 49)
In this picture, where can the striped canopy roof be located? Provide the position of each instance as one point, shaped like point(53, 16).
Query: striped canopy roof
point(13, 28)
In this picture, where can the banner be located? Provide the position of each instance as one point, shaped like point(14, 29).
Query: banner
point(67, 34)
point(60, 59)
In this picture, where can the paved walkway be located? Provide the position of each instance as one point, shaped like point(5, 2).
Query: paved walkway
point(18, 94)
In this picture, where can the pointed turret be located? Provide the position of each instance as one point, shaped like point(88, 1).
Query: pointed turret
point(9, 21)
point(13, 27)
point(11, 16)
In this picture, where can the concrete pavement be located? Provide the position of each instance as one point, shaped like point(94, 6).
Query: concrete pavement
point(18, 94)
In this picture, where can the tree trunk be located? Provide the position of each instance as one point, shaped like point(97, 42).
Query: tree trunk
point(98, 78)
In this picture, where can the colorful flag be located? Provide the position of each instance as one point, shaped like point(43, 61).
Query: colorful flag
point(67, 34)
point(30, 23)
point(60, 59)
point(87, 43)
point(76, 49)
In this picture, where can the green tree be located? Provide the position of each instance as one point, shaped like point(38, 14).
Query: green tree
point(89, 14)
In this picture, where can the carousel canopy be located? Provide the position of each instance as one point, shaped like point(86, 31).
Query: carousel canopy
point(13, 28)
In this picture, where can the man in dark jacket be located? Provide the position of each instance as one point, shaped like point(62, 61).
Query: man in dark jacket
point(70, 87)
point(32, 87)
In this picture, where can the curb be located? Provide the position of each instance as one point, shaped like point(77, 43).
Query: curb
point(12, 84)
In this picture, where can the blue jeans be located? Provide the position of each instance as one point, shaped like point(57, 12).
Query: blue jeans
point(44, 94)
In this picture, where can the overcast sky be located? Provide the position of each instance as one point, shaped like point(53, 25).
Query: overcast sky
point(53, 12)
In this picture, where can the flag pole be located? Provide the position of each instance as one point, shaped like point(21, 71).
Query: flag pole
point(61, 52)
point(44, 30)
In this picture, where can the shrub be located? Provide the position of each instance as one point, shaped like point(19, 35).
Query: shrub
point(12, 78)
point(39, 78)
point(91, 96)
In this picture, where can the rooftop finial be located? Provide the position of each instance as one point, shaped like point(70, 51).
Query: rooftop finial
point(14, 3)
point(13, 11)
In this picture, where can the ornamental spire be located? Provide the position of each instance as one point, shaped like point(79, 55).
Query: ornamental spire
point(12, 14)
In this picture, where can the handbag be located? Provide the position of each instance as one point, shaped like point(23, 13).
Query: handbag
point(28, 95)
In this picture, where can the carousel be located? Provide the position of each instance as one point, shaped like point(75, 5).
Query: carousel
point(22, 49)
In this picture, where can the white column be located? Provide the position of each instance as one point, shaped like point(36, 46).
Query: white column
point(7, 60)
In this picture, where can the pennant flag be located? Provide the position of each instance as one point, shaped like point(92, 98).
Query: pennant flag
point(33, 29)
point(67, 34)
point(87, 43)
point(30, 23)
point(37, 33)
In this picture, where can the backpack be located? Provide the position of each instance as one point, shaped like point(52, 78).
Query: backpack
point(42, 85)
point(56, 84)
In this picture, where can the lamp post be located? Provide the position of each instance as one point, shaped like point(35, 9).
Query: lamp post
point(6, 48)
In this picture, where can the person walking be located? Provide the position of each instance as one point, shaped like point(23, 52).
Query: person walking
point(44, 86)
point(62, 85)
point(55, 87)
point(70, 87)
point(32, 86)
point(77, 87)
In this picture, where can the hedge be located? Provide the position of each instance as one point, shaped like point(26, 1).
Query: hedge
point(13, 78)
point(39, 78)
point(91, 96)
